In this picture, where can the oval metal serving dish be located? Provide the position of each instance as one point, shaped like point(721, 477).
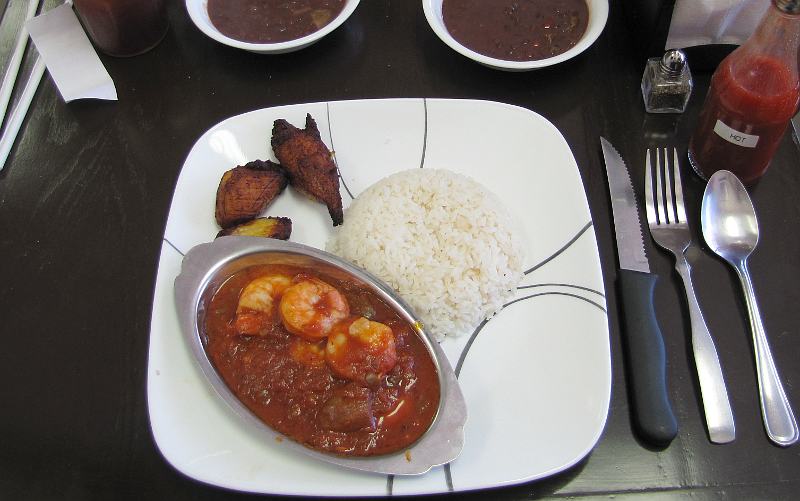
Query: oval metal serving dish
point(206, 267)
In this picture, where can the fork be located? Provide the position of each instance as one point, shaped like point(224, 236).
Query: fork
point(670, 229)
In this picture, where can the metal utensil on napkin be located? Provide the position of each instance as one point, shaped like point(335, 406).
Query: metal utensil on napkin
point(10, 76)
point(731, 230)
point(669, 228)
point(646, 360)
point(15, 119)
point(17, 116)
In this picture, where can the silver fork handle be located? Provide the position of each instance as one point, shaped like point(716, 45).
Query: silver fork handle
point(717, 407)
point(778, 417)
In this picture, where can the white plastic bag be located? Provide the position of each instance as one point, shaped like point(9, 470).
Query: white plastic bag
point(703, 22)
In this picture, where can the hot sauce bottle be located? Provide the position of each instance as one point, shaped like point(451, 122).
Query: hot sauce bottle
point(754, 93)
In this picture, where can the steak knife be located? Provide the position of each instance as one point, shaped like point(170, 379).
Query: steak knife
point(653, 418)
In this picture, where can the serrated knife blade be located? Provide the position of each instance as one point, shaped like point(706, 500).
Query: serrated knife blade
point(645, 355)
point(627, 227)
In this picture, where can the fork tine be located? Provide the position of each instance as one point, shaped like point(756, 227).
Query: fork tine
point(669, 206)
point(679, 206)
point(662, 216)
point(648, 191)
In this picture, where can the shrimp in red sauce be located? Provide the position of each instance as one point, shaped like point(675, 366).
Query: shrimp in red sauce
point(361, 350)
point(310, 308)
point(255, 308)
point(327, 378)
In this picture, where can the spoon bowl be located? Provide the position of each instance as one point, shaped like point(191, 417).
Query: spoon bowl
point(730, 228)
point(728, 218)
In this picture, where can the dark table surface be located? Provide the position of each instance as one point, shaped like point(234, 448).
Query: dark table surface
point(85, 195)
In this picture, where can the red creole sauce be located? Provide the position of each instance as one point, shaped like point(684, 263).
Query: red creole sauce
point(297, 395)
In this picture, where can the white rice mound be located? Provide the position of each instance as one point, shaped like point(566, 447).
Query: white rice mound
point(441, 240)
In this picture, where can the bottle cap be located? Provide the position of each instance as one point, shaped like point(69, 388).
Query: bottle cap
point(673, 62)
point(788, 6)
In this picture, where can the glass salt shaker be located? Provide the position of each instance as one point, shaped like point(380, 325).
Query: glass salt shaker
point(667, 83)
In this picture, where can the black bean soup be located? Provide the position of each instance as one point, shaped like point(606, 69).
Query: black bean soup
point(271, 21)
point(517, 30)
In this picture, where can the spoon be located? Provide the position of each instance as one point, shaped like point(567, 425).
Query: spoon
point(730, 228)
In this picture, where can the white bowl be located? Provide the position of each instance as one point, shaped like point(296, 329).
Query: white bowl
point(598, 14)
point(198, 12)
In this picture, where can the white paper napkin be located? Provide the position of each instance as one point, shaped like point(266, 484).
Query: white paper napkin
point(70, 56)
point(702, 22)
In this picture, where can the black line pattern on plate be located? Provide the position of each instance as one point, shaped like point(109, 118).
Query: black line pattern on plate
point(424, 132)
point(587, 289)
point(447, 473)
point(173, 246)
point(333, 150)
point(562, 249)
point(480, 326)
point(576, 296)
point(448, 477)
point(389, 484)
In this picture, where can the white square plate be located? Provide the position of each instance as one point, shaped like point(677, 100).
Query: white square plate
point(536, 377)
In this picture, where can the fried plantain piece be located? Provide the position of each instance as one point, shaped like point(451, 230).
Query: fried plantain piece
point(309, 164)
point(245, 191)
point(267, 227)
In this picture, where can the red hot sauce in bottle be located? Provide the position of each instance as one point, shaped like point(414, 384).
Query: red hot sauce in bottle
point(753, 95)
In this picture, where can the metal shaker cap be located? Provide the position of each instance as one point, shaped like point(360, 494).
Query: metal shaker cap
point(788, 6)
point(673, 62)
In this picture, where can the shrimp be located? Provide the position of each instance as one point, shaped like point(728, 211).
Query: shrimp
point(361, 350)
point(255, 309)
point(311, 354)
point(310, 308)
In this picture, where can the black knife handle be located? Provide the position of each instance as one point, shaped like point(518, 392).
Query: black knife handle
point(646, 360)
